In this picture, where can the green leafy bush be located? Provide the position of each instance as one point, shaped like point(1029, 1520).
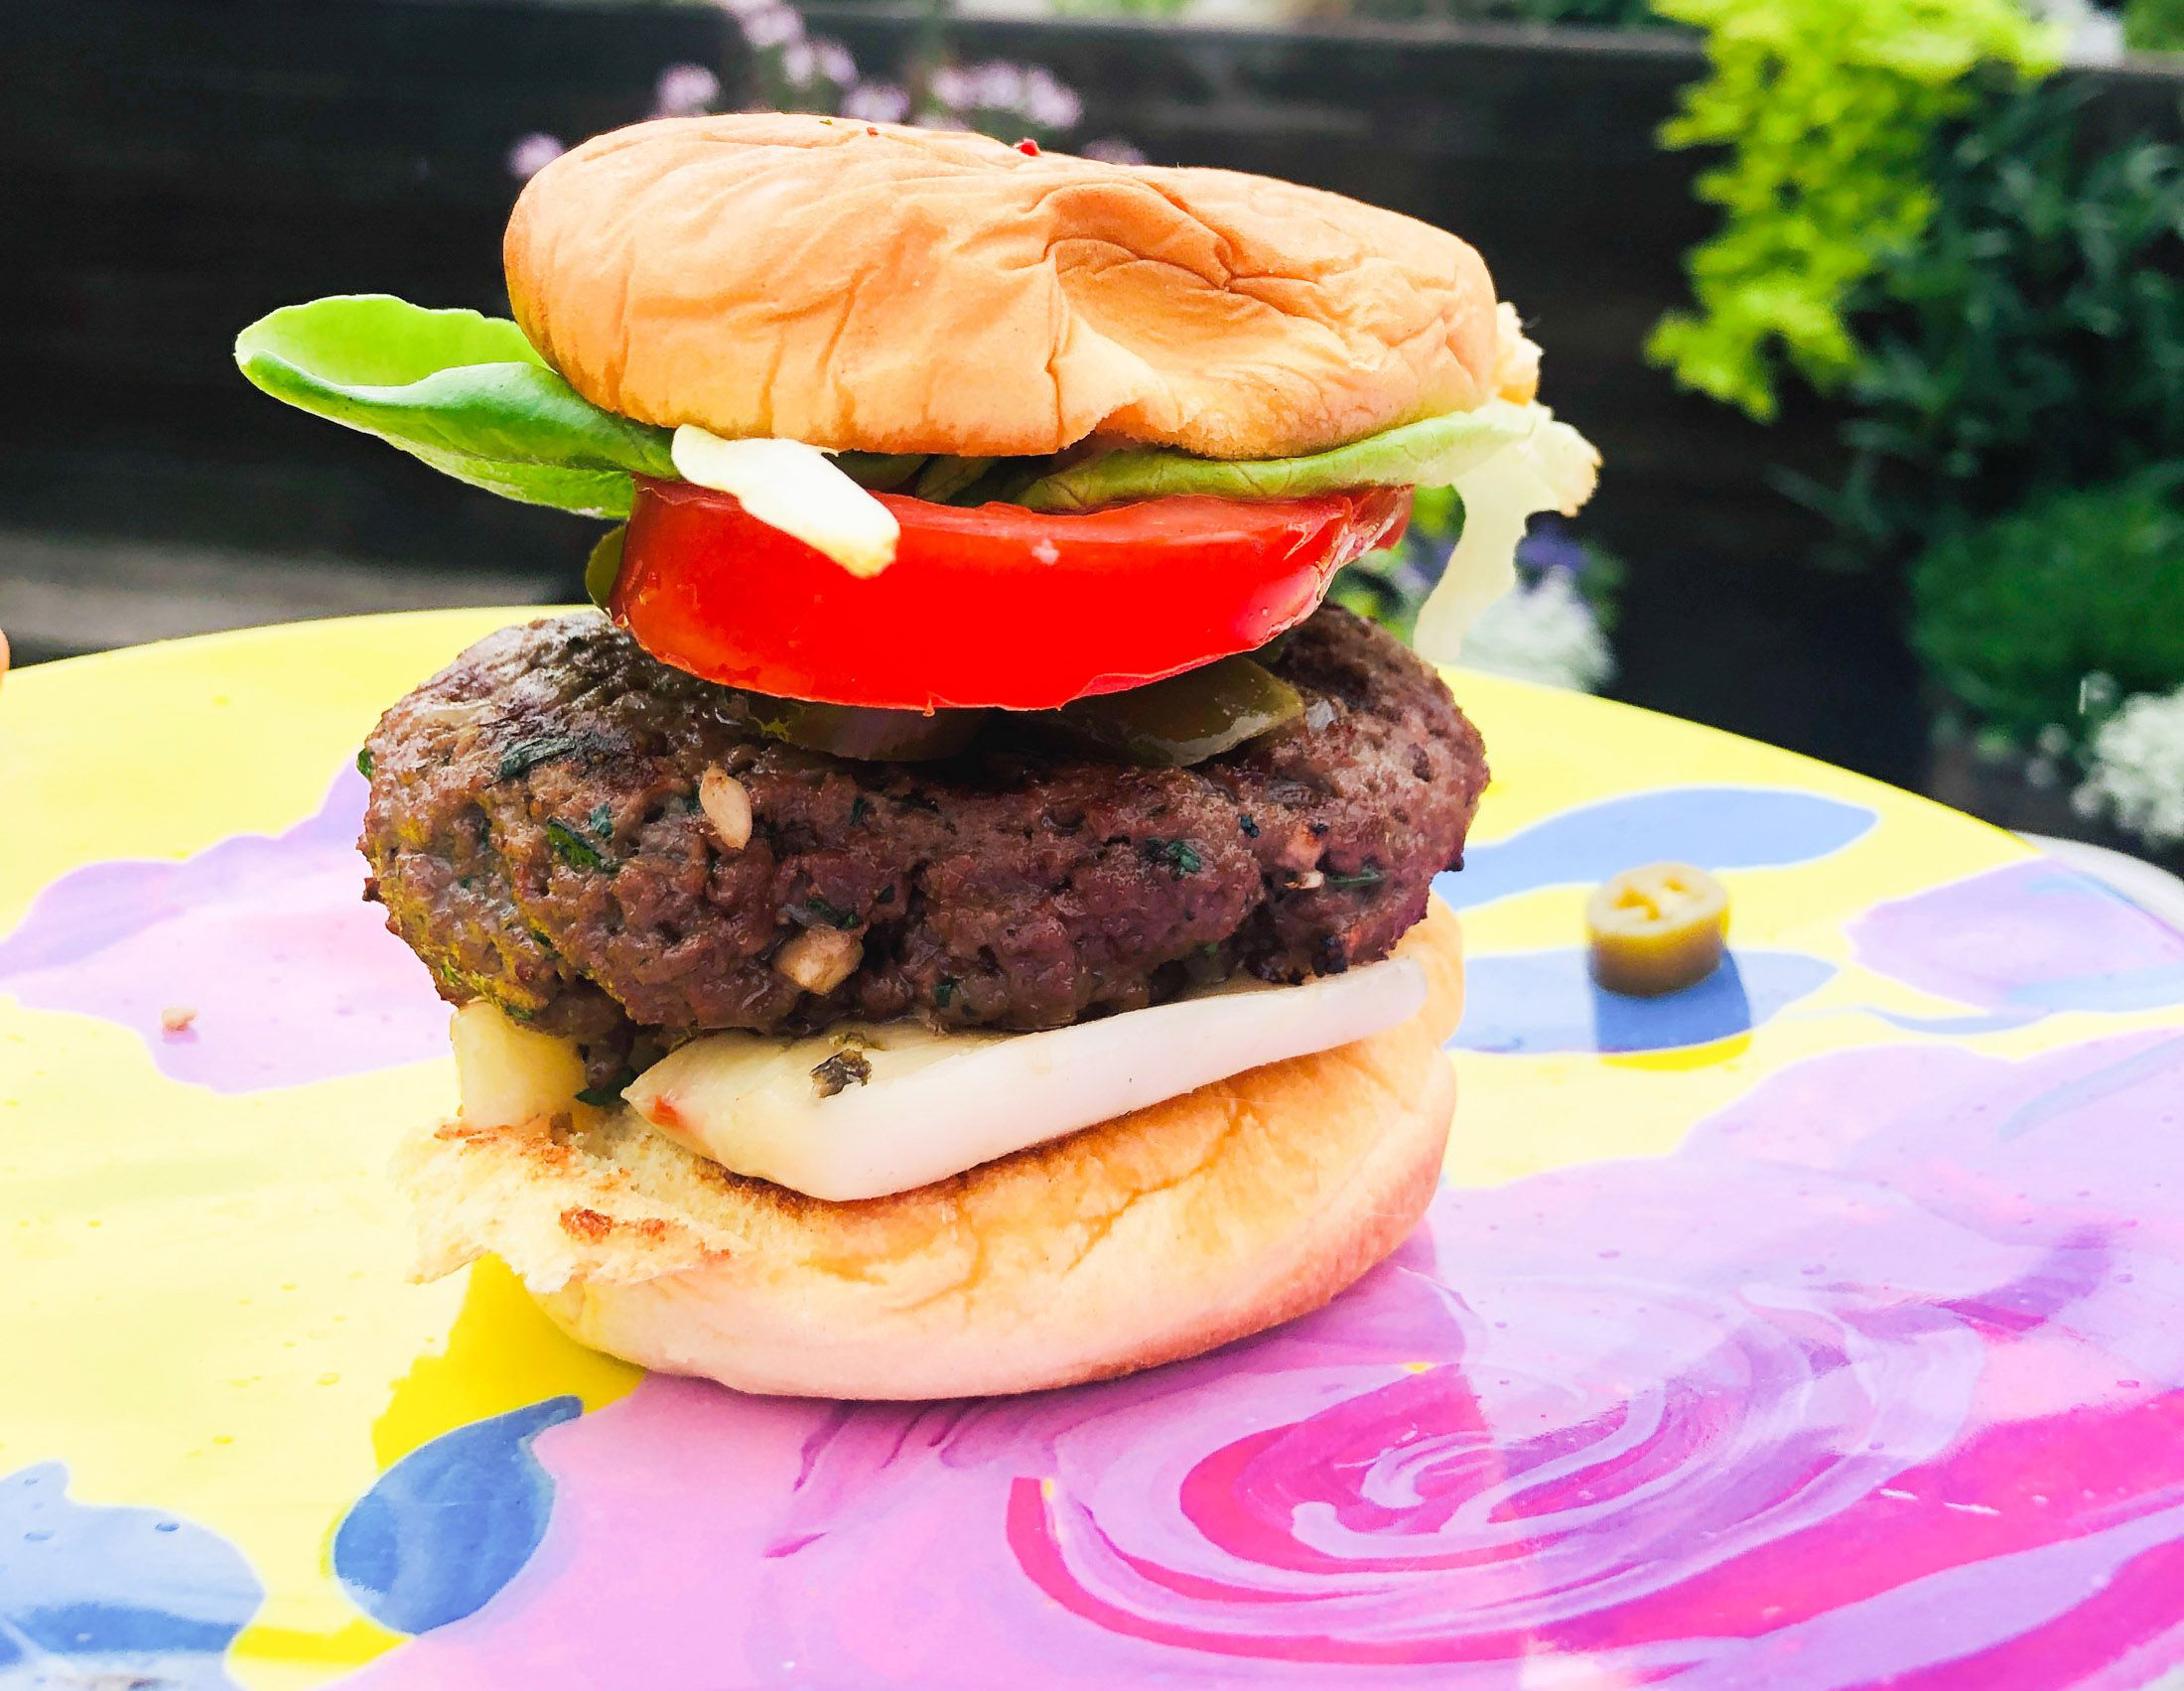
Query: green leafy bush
point(1828, 109)
point(2014, 616)
point(2155, 26)
point(2034, 338)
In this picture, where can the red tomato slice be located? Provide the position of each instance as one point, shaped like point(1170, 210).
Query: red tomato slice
point(986, 606)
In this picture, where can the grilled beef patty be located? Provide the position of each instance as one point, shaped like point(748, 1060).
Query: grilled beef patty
point(535, 833)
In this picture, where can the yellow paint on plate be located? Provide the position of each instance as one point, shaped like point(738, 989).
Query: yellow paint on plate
point(216, 1284)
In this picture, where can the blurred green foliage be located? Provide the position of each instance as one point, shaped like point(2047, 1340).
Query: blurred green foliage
point(1391, 584)
point(1907, 218)
point(1118, 8)
point(2034, 338)
point(1584, 14)
point(1828, 109)
point(1593, 14)
point(2155, 26)
point(2013, 615)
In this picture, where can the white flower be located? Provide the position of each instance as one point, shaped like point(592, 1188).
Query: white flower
point(877, 102)
point(772, 26)
point(835, 62)
point(2090, 36)
point(799, 64)
point(684, 89)
point(2137, 770)
point(1544, 633)
point(534, 154)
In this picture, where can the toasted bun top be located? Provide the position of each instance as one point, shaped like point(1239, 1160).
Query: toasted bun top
point(887, 289)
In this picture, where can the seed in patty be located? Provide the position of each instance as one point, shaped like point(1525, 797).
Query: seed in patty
point(819, 959)
point(726, 802)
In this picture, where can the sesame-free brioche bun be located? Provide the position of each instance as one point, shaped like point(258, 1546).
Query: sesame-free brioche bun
point(887, 289)
point(1155, 1236)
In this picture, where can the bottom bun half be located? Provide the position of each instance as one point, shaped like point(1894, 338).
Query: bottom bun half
point(1151, 1237)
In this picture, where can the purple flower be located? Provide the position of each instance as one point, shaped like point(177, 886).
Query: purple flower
point(799, 64)
point(954, 88)
point(770, 26)
point(835, 62)
point(1111, 151)
point(534, 154)
point(740, 9)
point(1049, 102)
point(877, 102)
point(684, 89)
point(997, 86)
point(1550, 548)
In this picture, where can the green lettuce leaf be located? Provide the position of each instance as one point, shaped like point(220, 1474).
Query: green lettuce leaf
point(470, 396)
point(1431, 453)
point(466, 394)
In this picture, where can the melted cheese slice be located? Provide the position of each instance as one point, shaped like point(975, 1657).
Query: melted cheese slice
point(796, 488)
point(937, 1103)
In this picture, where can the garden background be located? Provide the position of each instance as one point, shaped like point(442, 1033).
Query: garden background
point(1875, 308)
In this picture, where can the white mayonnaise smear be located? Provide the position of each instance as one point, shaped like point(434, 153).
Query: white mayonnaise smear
point(796, 488)
point(934, 1104)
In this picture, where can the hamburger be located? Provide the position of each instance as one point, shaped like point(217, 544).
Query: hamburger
point(955, 917)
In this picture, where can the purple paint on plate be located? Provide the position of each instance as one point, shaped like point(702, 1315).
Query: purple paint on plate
point(289, 975)
point(1876, 1379)
point(2031, 937)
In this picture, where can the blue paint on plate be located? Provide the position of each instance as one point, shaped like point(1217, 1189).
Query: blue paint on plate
point(98, 1595)
point(452, 1522)
point(1546, 1001)
point(2115, 991)
point(1960, 1027)
point(1715, 827)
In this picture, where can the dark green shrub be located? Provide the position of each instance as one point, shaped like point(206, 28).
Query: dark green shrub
point(1590, 14)
point(1596, 14)
point(2155, 26)
point(2013, 615)
point(2034, 338)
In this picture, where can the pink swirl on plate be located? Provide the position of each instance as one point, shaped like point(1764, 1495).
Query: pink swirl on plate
point(1447, 1516)
point(1879, 1378)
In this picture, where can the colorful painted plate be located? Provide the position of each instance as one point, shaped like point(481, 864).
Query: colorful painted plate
point(1817, 1327)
